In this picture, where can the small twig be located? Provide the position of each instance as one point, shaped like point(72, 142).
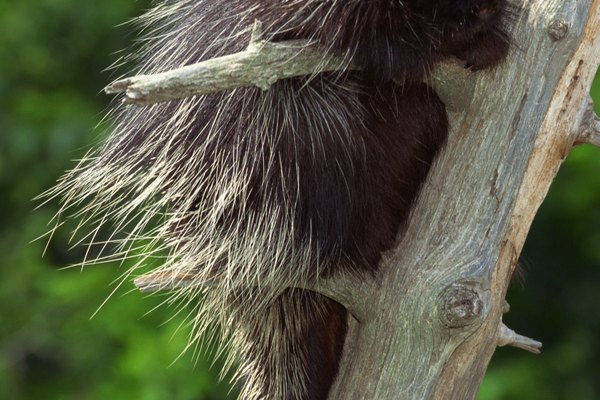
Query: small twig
point(590, 127)
point(256, 34)
point(261, 64)
point(508, 337)
point(342, 288)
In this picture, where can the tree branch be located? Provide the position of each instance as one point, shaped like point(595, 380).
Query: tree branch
point(353, 291)
point(508, 337)
point(590, 126)
point(261, 64)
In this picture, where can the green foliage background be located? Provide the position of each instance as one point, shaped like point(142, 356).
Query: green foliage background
point(52, 56)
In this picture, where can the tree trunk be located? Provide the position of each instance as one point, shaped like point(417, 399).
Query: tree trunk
point(429, 330)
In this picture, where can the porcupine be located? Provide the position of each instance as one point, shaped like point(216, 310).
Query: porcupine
point(252, 193)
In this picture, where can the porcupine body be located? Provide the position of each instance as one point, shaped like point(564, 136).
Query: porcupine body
point(252, 192)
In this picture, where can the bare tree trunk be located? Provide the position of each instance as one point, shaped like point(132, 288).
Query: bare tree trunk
point(428, 326)
point(436, 319)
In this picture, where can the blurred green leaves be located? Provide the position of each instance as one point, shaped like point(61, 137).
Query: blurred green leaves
point(52, 54)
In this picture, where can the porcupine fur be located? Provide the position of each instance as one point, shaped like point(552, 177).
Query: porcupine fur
point(252, 192)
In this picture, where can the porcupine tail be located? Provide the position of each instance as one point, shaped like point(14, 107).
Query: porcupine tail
point(294, 347)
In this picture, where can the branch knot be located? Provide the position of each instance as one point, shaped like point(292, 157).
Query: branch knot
point(461, 305)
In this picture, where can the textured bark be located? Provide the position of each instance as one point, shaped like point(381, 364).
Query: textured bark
point(436, 319)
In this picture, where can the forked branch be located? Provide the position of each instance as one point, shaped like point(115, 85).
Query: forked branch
point(261, 64)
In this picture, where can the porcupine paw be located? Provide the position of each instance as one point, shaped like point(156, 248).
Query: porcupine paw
point(491, 49)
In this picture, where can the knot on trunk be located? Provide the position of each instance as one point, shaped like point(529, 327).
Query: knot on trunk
point(461, 305)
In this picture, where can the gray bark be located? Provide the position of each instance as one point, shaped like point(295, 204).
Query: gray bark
point(436, 319)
